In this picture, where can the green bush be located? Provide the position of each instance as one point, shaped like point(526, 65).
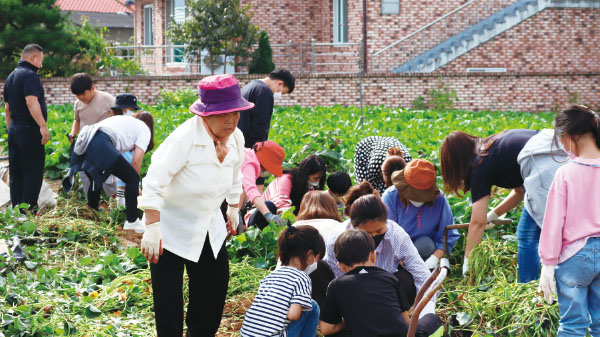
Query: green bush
point(262, 57)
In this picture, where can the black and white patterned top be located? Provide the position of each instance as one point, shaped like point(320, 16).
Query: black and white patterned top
point(369, 156)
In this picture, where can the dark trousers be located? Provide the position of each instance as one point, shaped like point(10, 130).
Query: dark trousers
point(407, 283)
point(124, 171)
point(26, 163)
point(208, 282)
point(258, 220)
point(320, 281)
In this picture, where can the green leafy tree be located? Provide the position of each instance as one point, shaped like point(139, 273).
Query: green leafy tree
point(68, 48)
point(262, 57)
point(220, 27)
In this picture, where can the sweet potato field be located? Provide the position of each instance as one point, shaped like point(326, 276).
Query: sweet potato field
point(83, 276)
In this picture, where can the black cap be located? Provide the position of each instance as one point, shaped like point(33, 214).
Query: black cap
point(126, 101)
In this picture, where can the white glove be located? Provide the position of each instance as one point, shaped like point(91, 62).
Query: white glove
point(234, 217)
point(152, 242)
point(491, 216)
point(465, 266)
point(547, 283)
point(432, 262)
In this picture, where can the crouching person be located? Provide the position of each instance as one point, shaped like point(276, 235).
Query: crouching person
point(367, 300)
point(283, 306)
point(192, 172)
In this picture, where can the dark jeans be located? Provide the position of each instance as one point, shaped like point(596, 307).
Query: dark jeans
point(208, 282)
point(124, 171)
point(426, 326)
point(258, 220)
point(26, 163)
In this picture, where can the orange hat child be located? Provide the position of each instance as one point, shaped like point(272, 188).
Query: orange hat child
point(270, 155)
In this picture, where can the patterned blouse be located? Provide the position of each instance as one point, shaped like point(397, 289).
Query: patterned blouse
point(369, 156)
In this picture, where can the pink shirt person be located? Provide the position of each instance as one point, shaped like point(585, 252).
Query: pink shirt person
point(572, 213)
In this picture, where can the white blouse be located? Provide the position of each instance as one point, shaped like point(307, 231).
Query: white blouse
point(187, 184)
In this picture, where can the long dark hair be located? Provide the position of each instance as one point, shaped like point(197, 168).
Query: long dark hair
point(457, 155)
point(310, 165)
point(147, 118)
point(576, 121)
point(297, 241)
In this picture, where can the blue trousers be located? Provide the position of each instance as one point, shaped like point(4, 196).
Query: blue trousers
point(306, 325)
point(528, 238)
point(578, 287)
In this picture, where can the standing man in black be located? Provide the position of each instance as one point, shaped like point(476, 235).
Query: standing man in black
point(26, 117)
point(255, 123)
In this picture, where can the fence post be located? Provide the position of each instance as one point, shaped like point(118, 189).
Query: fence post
point(360, 93)
point(291, 55)
point(301, 63)
point(312, 56)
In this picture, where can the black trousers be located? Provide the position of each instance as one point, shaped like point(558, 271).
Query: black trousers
point(26, 158)
point(407, 283)
point(208, 282)
point(124, 171)
point(258, 220)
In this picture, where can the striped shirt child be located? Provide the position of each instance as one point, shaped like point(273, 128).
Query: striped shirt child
point(267, 317)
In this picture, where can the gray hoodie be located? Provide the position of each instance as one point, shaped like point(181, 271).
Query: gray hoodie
point(539, 159)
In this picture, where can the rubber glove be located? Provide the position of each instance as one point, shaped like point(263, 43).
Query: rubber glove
point(278, 220)
point(547, 283)
point(465, 266)
point(234, 218)
point(491, 216)
point(152, 242)
point(432, 262)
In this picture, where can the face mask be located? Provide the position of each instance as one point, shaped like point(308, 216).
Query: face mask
point(311, 268)
point(378, 238)
point(264, 174)
point(313, 185)
point(129, 113)
point(416, 203)
point(277, 95)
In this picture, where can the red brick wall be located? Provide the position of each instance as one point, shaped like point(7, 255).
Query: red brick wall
point(555, 39)
point(516, 91)
point(563, 40)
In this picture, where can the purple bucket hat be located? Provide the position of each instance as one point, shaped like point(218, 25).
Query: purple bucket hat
point(219, 94)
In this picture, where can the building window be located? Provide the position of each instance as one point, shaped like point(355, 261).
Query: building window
point(390, 6)
point(148, 25)
point(175, 11)
point(340, 21)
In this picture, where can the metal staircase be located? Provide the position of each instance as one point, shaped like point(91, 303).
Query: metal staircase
point(482, 31)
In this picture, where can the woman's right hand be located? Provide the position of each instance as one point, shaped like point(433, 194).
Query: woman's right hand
point(152, 242)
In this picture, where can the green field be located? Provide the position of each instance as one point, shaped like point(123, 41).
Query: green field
point(80, 280)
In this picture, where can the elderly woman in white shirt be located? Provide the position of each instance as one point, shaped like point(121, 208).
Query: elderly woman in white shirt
point(192, 172)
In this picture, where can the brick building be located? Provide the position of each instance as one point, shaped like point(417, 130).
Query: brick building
point(321, 36)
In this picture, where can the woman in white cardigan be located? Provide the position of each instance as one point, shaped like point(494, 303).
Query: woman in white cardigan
point(192, 172)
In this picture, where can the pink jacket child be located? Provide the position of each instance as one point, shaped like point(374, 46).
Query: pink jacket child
point(263, 158)
point(570, 240)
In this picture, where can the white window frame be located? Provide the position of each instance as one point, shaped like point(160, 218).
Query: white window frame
point(150, 26)
point(340, 29)
point(390, 7)
point(170, 59)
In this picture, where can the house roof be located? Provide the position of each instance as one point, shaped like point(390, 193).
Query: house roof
point(110, 20)
point(95, 6)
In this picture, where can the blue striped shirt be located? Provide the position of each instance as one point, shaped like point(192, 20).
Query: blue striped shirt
point(267, 317)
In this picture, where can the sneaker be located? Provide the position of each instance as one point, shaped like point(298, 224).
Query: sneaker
point(137, 226)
